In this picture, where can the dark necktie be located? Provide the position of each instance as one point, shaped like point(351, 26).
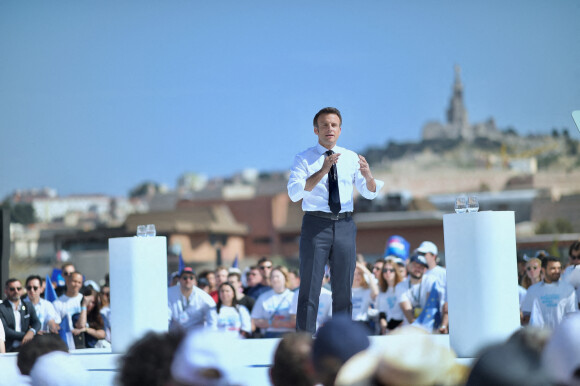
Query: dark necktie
point(333, 195)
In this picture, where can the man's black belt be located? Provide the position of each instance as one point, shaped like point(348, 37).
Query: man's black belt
point(329, 216)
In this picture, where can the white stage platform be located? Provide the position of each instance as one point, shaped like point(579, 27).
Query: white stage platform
point(255, 359)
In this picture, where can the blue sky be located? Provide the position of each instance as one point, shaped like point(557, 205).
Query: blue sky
point(96, 97)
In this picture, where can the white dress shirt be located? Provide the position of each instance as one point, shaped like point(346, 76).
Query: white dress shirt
point(310, 161)
point(46, 312)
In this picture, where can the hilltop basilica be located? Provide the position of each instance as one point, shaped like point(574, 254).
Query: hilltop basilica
point(457, 125)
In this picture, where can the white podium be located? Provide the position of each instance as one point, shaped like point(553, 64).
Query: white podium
point(482, 279)
point(138, 278)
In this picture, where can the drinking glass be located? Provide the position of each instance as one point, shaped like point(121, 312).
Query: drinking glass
point(461, 204)
point(141, 231)
point(472, 204)
point(150, 230)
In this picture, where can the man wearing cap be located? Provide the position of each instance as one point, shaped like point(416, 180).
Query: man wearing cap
point(429, 251)
point(324, 177)
point(413, 292)
point(190, 306)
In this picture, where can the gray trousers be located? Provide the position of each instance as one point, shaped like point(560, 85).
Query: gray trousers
point(325, 241)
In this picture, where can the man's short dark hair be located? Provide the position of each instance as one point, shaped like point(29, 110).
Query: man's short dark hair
point(67, 265)
point(38, 346)
point(263, 259)
point(574, 247)
point(148, 360)
point(11, 280)
point(32, 277)
point(548, 259)
point(291, 360)
point(236, 274)
point(327, 110)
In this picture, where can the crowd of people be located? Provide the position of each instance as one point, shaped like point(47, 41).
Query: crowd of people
point(340, 354)
point(77, 312)
point(403, 291)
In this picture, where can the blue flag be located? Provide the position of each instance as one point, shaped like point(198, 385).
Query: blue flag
point(181, 263)
point(64, 329)
point(49, 292)
point(56, 276)
point(430, 317)
point(235, 263)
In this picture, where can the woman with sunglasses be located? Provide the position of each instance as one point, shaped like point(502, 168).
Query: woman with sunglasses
point(232, 318)
point(390, 313)
point(533, 272)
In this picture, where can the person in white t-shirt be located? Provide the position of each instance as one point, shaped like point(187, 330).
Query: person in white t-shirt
point(547, 302)
point(413, 291)
point(430, 252)
point(572, 272)
point(69, 304)
point(390, 312)
point(271, 313)
point(232, 317)
point(364, 292)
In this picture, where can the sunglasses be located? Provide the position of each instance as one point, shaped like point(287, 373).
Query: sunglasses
point(376, 268)
point(388, 270)
point(265, 266)
point(187, 278)
point(32, 287)
point(530, 268)
point(67, 273)
point(572, 257)
point(14, 288)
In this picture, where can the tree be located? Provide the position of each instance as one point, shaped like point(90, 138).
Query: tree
point(544, 228)
point(20, 213)
point(144, 189)
point(563, 225)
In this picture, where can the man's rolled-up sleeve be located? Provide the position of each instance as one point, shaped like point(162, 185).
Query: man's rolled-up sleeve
point(361, 186)
point(297, 180)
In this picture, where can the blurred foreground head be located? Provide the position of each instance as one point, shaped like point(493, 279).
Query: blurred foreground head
point(291, 365)
point(206, 358)
point(410, 358)
point(148, 360)
point(59, 368)
point(515, 362)
point(336, 342)
point(561, 356)
point(39, 345)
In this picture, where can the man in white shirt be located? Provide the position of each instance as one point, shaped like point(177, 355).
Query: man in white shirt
point(190, 306)
point(572, 272)
point(69, 304)
point(49, 318)
point(413, 292)
point(430, 251)
point(324, 177)
point(548, 301)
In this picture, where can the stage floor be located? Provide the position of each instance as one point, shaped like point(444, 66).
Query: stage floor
point(255, 360)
